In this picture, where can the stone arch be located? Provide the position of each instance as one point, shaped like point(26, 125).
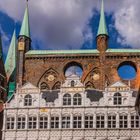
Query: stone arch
point(89, 85)
point(57, 85)
point(49, 77)
point(44, 86)
point(91, 73)
point(70, 64)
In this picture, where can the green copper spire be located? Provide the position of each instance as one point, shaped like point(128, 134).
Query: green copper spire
point(25, 29)
point(10, 63)
point(102, 30)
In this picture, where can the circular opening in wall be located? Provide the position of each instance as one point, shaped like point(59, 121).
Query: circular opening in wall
point(127, 70)
point(73, 68)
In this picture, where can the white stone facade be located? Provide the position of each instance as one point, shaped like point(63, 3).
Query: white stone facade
point(77, 117)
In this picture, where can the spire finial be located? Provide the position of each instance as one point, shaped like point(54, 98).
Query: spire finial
point(25, 28)
point(102, 30)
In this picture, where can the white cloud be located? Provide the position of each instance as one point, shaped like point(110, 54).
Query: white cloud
point(127, 22)
point(63, 23)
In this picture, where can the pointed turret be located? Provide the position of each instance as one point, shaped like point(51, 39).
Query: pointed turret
point(10, 63)
point(25, 28)
point(102, 30)
point(102, 34)
point(24, 44)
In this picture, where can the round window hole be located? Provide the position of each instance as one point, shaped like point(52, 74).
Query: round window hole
point(127, 71)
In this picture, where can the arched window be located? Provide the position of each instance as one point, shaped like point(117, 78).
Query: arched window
point(32, 122)
point(10, 122)
point(77, 99)
point(43, 122)
point(117, 99)
point(21, 122)
point(67, 99)
point(28, 100)
point(72, 83)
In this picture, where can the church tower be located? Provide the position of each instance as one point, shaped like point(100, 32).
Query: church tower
point(102, 35)
point(102, 44)
point(24, 44)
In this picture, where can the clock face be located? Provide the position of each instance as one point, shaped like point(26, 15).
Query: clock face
point(50, 78)
point(96, 76)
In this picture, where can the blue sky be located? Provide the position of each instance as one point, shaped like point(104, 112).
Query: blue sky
point(72, 24)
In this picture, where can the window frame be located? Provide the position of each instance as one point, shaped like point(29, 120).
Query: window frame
point(100, 121)
point(88, 121)
point(21, 124)
point(123, 121)
point(77, 121)
point(117, 98)
point(66, 122)
point(10, 123)
point(43, 122)
point(28, 100)
point(77, 99)
point(54, 124)
point(111, 121)
point(67, 99)
point(32, 122)
point(135, 121)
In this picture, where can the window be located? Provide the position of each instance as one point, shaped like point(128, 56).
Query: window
point(28, 100)
point(134, 121)
point(111, 121)
point(72, 83)
point(32, 123)
point(43, 122)
point(66, 122)
point(123, 121)
point(117, 99)
point(100, 121)
point(88, 121)
point(10, 123)
point(77, 122)
point(54, 122)
point(21, 123)
point(77, 99)
point(67, 99)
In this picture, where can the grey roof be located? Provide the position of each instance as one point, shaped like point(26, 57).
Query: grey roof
point(94, 95)
point(50, 96)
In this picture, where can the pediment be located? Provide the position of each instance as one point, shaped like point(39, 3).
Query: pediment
point(119, 84)
point(29, 86)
